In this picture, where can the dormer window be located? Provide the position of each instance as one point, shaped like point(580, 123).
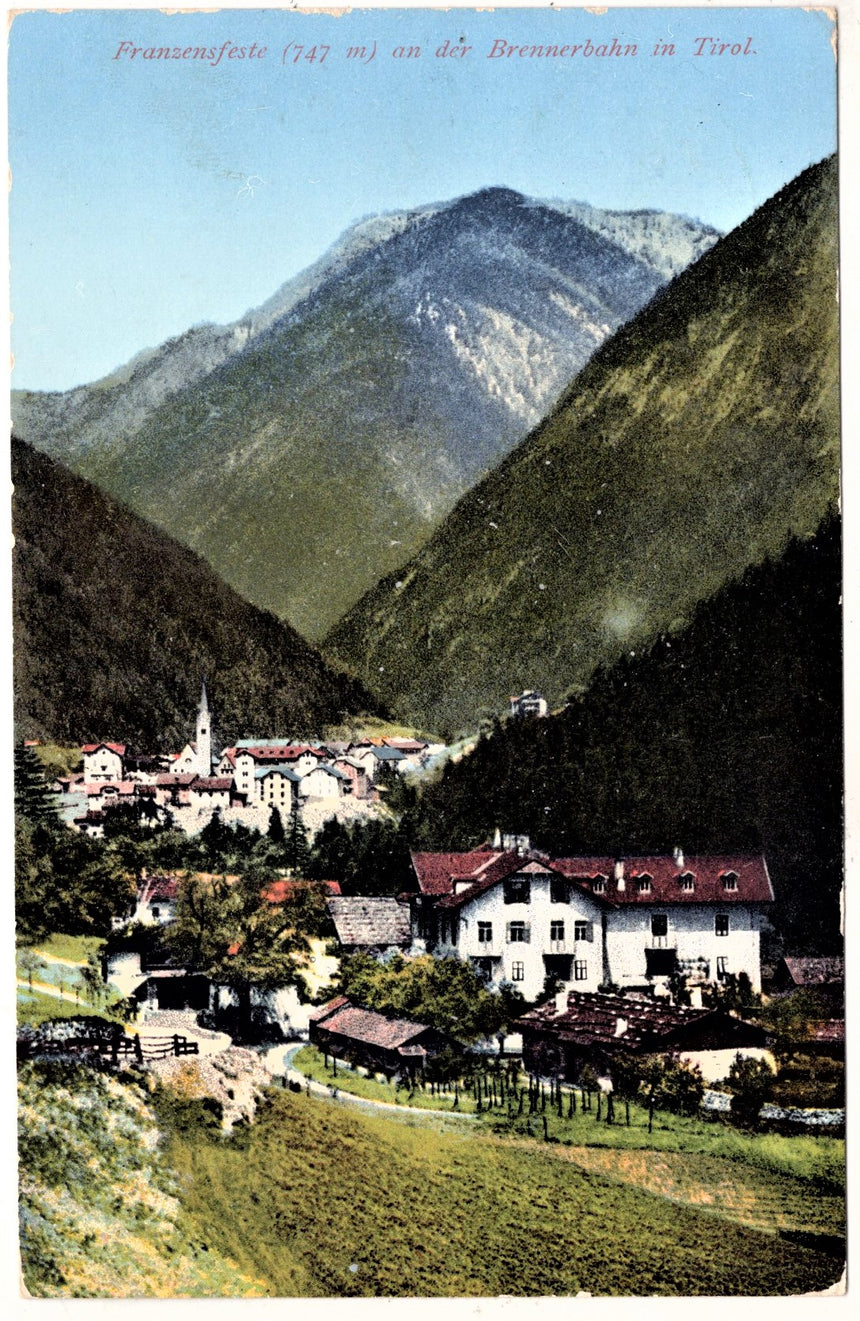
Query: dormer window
point(687, 881)
point(643, 884)
point(517, 891)
point(730, 880)
point(599, 886)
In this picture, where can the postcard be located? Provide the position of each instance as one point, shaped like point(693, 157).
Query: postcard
point(427, 653)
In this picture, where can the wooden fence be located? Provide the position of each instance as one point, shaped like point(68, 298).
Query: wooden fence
point(120, 1047)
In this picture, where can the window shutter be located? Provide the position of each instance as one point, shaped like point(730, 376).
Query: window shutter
point(589, 931)
point(527, 931)
point(508, 932)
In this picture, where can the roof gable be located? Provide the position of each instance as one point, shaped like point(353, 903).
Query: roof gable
point(370, 921)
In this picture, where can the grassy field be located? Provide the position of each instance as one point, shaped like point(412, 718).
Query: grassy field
point(818, 1159)
point(34, 1008)
point(75, 949)
point(310, 1062)
point(319, 1200)
point(36, 964)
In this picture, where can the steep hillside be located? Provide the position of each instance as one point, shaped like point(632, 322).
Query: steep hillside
point(692, 444)
point(727, 735)
point(115, 624)
point(99, 1212)
point(310, 448)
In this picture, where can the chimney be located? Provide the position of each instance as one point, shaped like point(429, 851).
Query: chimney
point(561, 1001)
point(678, 855)
point(620, 1027)
point(619, 874)
point(497, 839)
point(695, 997)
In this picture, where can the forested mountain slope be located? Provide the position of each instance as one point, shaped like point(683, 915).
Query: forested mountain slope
point(692, 444)
point(116, 624)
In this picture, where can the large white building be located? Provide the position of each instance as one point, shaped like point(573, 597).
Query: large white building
point(519, 916)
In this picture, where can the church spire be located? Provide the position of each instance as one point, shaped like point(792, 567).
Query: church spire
point(204, 735)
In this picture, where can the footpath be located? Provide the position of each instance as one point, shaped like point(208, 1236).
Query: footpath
point(279, 1062)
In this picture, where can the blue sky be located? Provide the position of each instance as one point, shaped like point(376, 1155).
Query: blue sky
point(151, 195)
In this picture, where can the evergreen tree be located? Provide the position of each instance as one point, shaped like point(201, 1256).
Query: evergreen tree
point(297, 850)
point(34, 801)
point(276, 833)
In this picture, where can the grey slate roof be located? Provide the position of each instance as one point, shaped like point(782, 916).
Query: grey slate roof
point(368, 922)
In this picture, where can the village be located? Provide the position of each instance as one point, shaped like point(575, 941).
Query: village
point(600, 958)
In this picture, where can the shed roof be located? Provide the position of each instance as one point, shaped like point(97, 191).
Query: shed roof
point(370, 921)
point(815, 971)
point(625, 1023)
point(366, 1025)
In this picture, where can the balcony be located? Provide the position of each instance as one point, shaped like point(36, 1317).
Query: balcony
point(472, 948)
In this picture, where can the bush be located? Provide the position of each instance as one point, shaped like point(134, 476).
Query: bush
point(680, 1089)
point(751, 1084)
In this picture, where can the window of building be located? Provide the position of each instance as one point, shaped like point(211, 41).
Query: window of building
point(156, 912)
point(722, 968)
point(687, 881)
point(485, 932)
point(558, 890)
point(518, 972)
point(580, 970)
point(659, 924)
point(581, 930)
point(730, 880)
point(518, 933)
point(517, 891)
point(556, 931)
point(644, 884)
point(721, 924)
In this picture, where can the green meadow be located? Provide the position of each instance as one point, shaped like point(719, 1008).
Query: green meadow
point(320, 1200)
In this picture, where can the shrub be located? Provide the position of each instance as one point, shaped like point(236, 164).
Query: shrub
point(751, 1083)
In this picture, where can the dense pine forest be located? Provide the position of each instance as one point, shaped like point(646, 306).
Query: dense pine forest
point(725, 736)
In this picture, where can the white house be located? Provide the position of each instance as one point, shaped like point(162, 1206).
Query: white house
point(529, 703)
point(103, 761)
point(520, 916)
point(253, 755)
point(324, 782)
point(277, 786)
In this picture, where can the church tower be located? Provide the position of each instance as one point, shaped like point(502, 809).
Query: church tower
point(204, 736)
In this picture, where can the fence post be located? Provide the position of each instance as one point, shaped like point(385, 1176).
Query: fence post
point(176, 1043)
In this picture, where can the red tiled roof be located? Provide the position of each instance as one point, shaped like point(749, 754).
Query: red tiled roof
point(156, 888)
point(98, 787)
point(167, 779)
point(277, 891)
point(281, 752)
point(119, 748)
point(368, 1026)
point(437, 873)
point(212, 783)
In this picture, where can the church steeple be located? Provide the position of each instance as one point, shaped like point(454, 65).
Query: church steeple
point(204, 735)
